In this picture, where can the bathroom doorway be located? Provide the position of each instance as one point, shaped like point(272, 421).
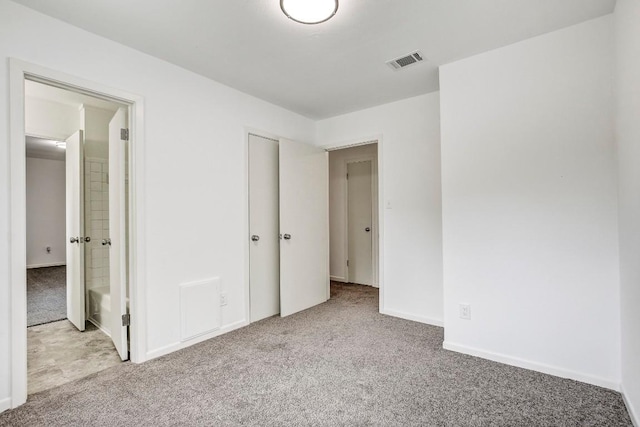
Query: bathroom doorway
point(74, 215)
point(354, 214)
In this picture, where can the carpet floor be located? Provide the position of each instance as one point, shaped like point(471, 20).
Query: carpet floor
point(340, 363)
point(46, 295)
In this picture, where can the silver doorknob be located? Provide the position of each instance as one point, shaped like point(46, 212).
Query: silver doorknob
point(87, 239)
point(287, 237)
point(367, 229)
point(255, 238)
point(74, 240)
point(106, 241)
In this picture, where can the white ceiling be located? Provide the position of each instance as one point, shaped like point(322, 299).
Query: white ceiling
point(327, 69)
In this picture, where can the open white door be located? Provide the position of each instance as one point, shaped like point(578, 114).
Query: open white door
point(74, 164)
point(304, 224)
point(117, 232)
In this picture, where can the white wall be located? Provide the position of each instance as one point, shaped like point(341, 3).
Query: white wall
point(194, 178)
point(95, 124)
point(337, 204)
point(45, 212)
point(627, 37)
point(50, 119)
point(410, 180)
point(529, 204)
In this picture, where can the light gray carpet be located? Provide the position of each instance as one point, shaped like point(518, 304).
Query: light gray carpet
point(340, 363)
point(46, 295)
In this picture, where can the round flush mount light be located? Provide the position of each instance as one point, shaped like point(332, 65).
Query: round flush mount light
point(309, 11)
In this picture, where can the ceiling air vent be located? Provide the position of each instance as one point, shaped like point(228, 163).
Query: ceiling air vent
point(405, 61)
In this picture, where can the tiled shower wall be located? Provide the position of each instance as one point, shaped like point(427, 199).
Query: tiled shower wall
point(96, 202)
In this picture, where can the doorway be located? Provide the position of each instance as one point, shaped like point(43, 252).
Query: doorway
point(353, 214)
point(80, 337)
point(20, 73)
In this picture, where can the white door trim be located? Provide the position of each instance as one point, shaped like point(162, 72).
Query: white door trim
point(380, 197)
point(18, 71)
point(374, 214)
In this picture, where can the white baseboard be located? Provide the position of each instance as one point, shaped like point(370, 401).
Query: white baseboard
point(338, 279)
point(413, 317)
point(162, 351)
point(534, 366)
point(5, 404)
point(635, 419)
point(48, 264)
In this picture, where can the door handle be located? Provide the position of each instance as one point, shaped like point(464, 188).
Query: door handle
point(287, 237)
point(255, 238)
point(367, 229)
point(106, 241)
point(87, 239)
point(74, 240)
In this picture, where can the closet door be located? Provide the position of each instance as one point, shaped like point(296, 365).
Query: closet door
point(264, 247)
point(304, 226)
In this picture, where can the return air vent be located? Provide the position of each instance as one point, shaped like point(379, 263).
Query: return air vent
point(406, 60)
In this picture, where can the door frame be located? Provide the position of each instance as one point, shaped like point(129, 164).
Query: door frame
point(374, 214)
point(380, 197)
point(19, 71)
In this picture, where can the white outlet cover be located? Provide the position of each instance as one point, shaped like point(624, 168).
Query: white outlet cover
point(465, 311)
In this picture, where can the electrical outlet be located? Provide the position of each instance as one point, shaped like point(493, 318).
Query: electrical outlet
point(465, 311)
point(223, 299)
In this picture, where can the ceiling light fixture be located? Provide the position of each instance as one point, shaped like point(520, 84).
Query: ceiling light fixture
point(309, 11)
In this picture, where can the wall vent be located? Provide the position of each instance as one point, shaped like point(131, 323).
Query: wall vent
point(406, 60)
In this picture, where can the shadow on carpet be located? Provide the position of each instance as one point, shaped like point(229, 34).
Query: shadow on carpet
point(46, 295)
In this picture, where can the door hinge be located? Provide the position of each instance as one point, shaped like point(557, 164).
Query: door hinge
point(124, 134)
point(347, 176)
point(126, 319)
point(347, 263)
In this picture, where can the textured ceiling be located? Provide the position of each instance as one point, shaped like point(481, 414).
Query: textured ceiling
point(320, 70)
